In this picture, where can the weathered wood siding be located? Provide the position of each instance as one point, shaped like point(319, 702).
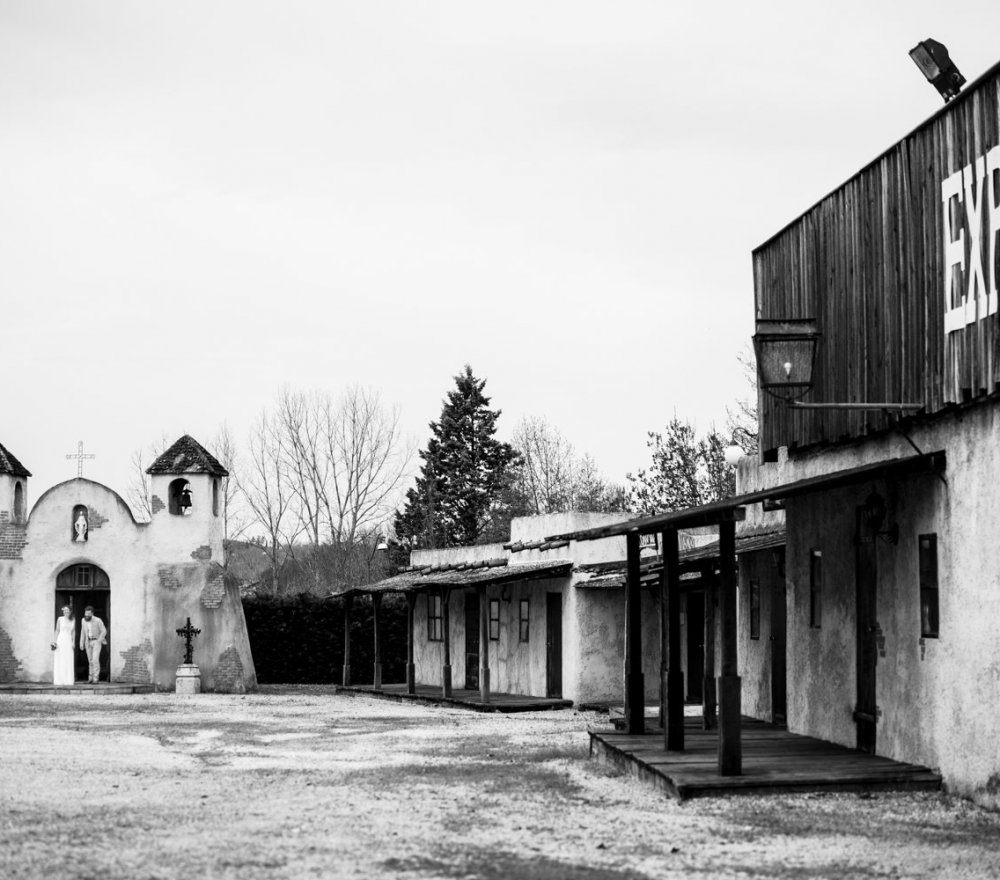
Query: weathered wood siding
point(869, 263)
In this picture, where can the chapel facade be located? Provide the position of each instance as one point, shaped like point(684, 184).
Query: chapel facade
point(81, 545)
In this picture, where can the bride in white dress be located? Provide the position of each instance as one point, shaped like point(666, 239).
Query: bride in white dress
point(64, 671)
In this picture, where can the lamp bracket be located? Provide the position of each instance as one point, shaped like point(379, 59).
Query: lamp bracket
point(888, 407)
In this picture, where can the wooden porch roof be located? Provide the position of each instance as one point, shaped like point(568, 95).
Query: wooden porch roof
point(693, 561)
point(416, 581)
point(733, 508)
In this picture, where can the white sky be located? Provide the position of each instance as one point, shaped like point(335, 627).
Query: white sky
point(201, 202)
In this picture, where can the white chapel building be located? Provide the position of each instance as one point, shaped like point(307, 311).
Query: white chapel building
point(80, 545)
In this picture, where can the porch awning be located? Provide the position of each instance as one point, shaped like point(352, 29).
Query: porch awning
point(692, 563)
point(415, 581)
point(731, 509)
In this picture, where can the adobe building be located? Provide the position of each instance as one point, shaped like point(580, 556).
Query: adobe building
point(80, 545)
point(547, 619)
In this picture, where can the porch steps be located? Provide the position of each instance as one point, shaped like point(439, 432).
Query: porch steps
point(103, 689)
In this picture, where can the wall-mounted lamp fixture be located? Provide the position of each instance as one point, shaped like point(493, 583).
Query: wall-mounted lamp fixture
point(778, 560)
point(875, 513)
point(505, 592)
point(935, 63)
point(786, 355)
point(786, 352)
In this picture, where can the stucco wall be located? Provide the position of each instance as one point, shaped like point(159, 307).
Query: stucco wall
point(938, 698)
point(600, 645)
point(756, 656)
point(515, 666)
point(593, 642)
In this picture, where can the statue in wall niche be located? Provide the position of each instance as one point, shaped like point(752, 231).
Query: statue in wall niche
point(80, 527)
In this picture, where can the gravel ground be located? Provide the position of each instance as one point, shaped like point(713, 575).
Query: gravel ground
point(296, 783)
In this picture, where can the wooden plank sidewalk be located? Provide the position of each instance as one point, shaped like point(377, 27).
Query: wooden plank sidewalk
point(103, 689)
point(774, 762)
point(461, 697)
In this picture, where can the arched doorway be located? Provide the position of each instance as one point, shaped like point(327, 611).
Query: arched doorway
point(79, 586)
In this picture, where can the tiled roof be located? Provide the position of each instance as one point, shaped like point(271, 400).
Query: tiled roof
point(518, 546)
point(187, 456)
point(10, 465)
point(413, 581)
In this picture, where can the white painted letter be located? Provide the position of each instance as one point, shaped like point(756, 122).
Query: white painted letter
point(993, 212)
point(954, 253)
point(976, 293)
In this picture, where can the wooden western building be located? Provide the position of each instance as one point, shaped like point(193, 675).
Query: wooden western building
point(893, 581)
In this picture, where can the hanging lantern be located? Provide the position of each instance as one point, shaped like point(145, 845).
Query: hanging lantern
point(786, 354)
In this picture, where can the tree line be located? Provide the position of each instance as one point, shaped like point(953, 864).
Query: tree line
point(315, 499)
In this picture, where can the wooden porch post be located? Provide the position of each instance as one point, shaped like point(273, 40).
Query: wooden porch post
point(708, 716)
point(348, 602)
point(446, 634)
point(484, 646)
point(377, 629)
point(635, 709)
point(674, 728)
point(730, 745)
point(411, 669)
point(664, 636)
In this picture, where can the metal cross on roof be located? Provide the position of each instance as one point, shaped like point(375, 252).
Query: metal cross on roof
point(188, 633)
point(80, 456)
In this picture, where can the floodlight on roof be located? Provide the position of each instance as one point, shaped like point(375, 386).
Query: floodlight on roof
point(935, 63)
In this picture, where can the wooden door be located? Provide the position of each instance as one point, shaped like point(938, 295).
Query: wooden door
point(694, 618)
point(865, 710)
point(779, 685)
point(553, 644)
point(472, 640)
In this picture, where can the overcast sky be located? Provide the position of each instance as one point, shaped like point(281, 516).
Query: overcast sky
point(202, 202)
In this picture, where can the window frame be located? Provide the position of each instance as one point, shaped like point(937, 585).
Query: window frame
point(524, 621)
point(754, 616)
point(929, 584)
point(494, 627)
point(815, 588)
point(435, 617)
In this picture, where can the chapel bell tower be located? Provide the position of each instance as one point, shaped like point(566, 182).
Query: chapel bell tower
point(187, 494)
point(13, 488)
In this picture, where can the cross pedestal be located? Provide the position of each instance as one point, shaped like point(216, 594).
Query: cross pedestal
point(188, 679)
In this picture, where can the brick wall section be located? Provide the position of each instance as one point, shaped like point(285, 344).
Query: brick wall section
point(136, 670)
point(168, 580)
point(13, 539)
point(229, 672)
point(215, 590)
point(156, 505)
point(9, 664)
point(203, 553)
point(94, 519)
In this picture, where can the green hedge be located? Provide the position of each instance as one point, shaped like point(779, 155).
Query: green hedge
point(300, 639)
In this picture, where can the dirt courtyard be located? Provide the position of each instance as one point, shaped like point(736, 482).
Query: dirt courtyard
point(296, 782)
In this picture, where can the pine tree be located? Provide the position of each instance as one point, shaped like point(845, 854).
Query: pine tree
point(465, 475)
